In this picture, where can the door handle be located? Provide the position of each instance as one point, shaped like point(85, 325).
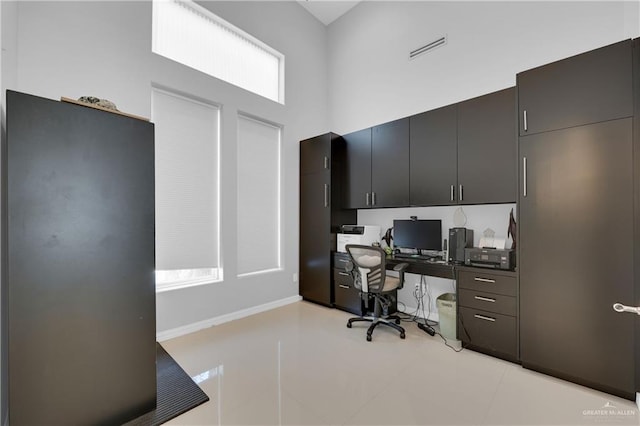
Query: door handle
point(453, 189)
point(524, 120)
point(367, 198)
point(326, 162)
point(460, 193)
point(619, 307)
point(373, 198)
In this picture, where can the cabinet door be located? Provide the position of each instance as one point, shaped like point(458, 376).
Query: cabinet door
point(576, 247)
point(358, 175)
point(315, 254)
point(389, 161)
point(432, 161)
point(487, 142)
point(587, 88)
point(315, 154)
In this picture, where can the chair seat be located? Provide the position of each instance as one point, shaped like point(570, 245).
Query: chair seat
point(390, 283)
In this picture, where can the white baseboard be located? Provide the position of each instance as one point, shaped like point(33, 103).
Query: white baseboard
point(193, 327)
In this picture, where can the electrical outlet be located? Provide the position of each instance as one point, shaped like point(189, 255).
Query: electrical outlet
point(295, 277)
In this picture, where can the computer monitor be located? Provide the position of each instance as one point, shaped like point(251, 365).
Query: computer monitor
point(418, 234)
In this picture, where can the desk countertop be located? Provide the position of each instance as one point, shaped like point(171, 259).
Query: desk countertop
point(424, 267)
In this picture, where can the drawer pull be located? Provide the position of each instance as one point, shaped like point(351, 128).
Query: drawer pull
point(343, 286)
point(484, 280)
point(485, 299)
point(343, 260)
point(482, 317)
point(346, 274)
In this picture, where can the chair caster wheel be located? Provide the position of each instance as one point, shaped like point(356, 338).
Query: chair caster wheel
point(398, 321)
point(402, 336)
point(368, 338)
point(348, 325)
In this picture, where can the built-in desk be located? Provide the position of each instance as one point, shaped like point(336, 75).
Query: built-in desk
point(487, 304)
point(424, 267)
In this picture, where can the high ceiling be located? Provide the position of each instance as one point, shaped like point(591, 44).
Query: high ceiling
point(327, 11)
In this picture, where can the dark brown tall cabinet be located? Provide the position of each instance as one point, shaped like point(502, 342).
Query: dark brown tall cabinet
point(576, 219)
point(322, 163)
point(78, 288)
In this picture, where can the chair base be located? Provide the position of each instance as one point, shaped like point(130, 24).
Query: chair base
point(377, 321)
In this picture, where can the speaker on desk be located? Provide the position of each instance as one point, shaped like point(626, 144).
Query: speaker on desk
point(459, 239)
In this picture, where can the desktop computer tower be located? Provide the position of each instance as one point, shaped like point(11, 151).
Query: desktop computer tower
point(459, 239)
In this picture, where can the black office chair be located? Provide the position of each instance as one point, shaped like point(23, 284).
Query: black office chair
point(367, 268)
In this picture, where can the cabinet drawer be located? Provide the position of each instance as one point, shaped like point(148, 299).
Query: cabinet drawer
point(498, 303)
point(486, 330)
point(340, 260)
point(345, 296)
point(480, 281)
point(342, 278)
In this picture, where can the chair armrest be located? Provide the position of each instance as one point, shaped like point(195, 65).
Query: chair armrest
point(400, 267)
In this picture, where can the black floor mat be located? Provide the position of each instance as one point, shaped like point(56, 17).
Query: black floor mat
point(177, 392)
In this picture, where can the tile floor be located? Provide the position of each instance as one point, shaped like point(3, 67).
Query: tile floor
point(300, 365)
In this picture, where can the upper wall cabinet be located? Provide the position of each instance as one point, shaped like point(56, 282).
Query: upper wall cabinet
point(432, 163)
point(583, 89)
point(377, 172)
point(389, 159)
point(487, 159)
point(358, 185)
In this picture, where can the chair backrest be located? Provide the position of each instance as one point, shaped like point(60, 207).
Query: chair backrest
point(369, 268)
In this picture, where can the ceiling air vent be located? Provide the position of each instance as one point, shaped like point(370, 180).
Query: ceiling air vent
point(428, 47)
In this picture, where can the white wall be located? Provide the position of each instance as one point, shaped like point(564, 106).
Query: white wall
point(371, 80)
point(104, 49)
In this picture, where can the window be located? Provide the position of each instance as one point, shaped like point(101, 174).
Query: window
point(187, 188)
point(258, 196)
point(193, 36)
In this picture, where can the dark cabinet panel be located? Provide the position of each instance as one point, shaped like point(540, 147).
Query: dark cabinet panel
point(576, 247)
point(321, 214)
point(80, 260)
point(433, 157)
point(487, 146)
point(315, 250)
point(315, 157)
point(389, 160)
point(588, 88)
point(358, 169)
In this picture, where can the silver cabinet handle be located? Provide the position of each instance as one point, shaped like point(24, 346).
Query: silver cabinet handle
point(345, 274)
point(326, 195)
point(326, 162)
point(484, 280)
point(524, 176)
point(460, 193)
point(524, 120)
point(343, 286)
point(485, 299)
point(453, 189)
point(373, 198)
point(367, 198)
point(482, 317)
